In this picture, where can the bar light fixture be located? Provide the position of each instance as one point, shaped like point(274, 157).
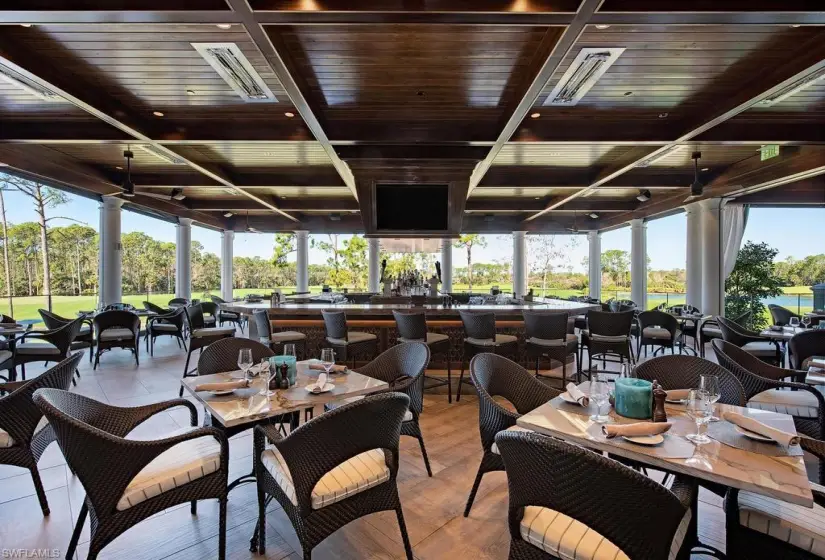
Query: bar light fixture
point(793, 88)
point(585, 70)
point(231, 64)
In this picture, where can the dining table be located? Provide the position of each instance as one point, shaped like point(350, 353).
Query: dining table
point(695, 318)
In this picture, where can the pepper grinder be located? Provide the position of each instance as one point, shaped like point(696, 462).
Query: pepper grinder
point(284, 376)
point(659, 396)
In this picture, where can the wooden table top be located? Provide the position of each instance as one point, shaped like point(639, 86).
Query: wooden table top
point(251, 404)
point(784, 478)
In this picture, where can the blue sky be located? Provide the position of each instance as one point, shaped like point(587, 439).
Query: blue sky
point(796, 232)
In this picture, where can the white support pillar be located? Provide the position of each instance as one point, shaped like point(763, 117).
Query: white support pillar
point(594, 273)
point(519, 263)
point(183, 259)
point(302, 260)
point(111, 265)
point(638, 263)
point(712, 256)
point(227, 254)
point(693, 261)
point(446, 265)
point(374, 270)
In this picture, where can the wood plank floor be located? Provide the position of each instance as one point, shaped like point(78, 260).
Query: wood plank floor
point(432, 506)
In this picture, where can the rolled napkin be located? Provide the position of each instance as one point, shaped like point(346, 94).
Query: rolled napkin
point(757, 427)
point(337, 368)
point(223, 386)
point(677, 394)
point(636, 429)
point(577, 395)
point(320, 383)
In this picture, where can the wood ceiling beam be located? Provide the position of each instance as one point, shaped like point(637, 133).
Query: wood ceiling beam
point(807, 192)
point(63, 17)
point(807, 58)
point(538, 81)
point(509, 204)
point(698, 17)
point(348, 223)
point(277, 62)
point(290, 204)
point(556, 176)
point(286, 176)
point(555, 224)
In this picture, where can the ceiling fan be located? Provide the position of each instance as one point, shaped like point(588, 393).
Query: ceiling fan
point(127, 187)
point(697, 187)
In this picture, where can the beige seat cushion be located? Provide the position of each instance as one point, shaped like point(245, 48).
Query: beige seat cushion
point(117, 333)
point(7, 441)
point(784, 401)
point(29, 348)
point(175, 467)
point(287, 336)
point(354, 475)
point(332, 406)
point(554, 343)
point(763, 349)
point(797, 525)
point(500, 340)
point(604, 338)
point(568, 539)
point(494, 448)
point(164, 327)
point(657, 333)
point(213, 331)
point(432, 338)
point(208, 320)
point(353, 337)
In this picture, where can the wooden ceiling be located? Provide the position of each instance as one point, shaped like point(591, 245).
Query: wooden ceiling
point(445, 91)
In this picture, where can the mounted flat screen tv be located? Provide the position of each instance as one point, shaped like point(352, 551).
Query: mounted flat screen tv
point(419, 208)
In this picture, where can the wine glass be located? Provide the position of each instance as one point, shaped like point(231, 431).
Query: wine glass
point(271, 373)
point(709, 384)
point(698, 408)
point(245, 361)
point(289, 350)
point(794, 322)
point(806, 322)
point(599, 394)
point(327, 359)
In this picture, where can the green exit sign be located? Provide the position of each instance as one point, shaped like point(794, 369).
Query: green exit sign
point(769, 151)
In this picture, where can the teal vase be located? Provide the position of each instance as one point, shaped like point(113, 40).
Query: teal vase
point(634, 398)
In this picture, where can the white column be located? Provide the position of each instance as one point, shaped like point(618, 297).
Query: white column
point(712, 256)
point(638, 263)
point(227, 254)
point(446, 265)
point(374, 270)
point(183, 259)
point(594, 273)
point(519, 263)
point(111, 265)
point(302, 260)
point(693, 262)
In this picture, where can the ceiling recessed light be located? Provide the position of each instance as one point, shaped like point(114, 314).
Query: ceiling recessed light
point(662, 115)
point(628, 93)
point(535, 115)
point(118, 167)
point(602, 26)
point(190, 92)
point(593, 215)
point(289, 114)
point(794, 25)
point(223, 25)
point(157, 113)
point(538, 198)
point(705, 168)
point(228, 214)
point(29, 25)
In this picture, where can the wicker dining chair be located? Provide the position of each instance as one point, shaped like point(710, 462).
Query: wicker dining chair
point(412, 327)
point(780, 315)
point(402, 367)
point(53, 346)
point(346, 343)
point(201, 336)
point(24, 431)
point(549, 334)
point(116, 329)
point(750, 341)
point(225, 316)
point(709, 330)
point(658, 328)
point(332, 470)
point(567, 501)
point(168, 324)
point(496, 376)
point(178, 302)
point(128, 480)
point(684, 372)
point(760, 527)
point(766, 389)
point(608, 333)
point(210, 313)
point(804, 346)
point(85, 338)
point(479, 337)
point(277, 340)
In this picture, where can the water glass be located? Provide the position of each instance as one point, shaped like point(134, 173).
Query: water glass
point(289, 350)
point(698, 408)
point(327, 359)
point(806, 322)
point(794, 322)
point(271, 374)
point(245, 361)
point(709, 384)
point(599, 395)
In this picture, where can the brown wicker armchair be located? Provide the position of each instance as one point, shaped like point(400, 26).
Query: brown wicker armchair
point(549, 335)
point(496, 376)
point(602, 508)
point(750, 341)
point(766, 390)
point(804, 346)
point(658, 328)
point(117, 329)
point(480, 336)
point(780, 315)
point(608, 333)
point(412, 327)
point(277, 340)
point(299, 471)
point(24, 432)
point(167, 324)
point(128, 480)
point(225, 316)
point(684, 372)
point(54, 345)
point(85, 338)
point(201, 336)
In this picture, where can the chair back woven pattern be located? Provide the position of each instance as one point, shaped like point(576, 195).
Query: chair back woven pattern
point(658, 319)
point(402, 364)
point(734, 332)
point(216, 299)
point(479, 324)
point(806, 344)
point(335, 323)
point(222, 355)
point(209, 308)
point(149, 306)
point(63, 336)
point(546, 325)
point(610, 324)
point(741, 364)
point(261, 317)
point(411, 326)
point(116, 319)
point(684, 372)
point(194, 315)
point(780, 315)
point(52, 320)
point(637, 514)
point(178, 301)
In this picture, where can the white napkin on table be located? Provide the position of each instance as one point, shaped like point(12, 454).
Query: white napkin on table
point(757, 427)
point(577, 395)
point(320, 383)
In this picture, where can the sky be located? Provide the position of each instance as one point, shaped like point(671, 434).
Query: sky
point(795, 232)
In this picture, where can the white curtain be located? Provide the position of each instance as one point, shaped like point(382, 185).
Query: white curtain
point(734, 220)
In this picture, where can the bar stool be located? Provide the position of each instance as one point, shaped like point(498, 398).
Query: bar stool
point(548, 334)
point(346, 342)
point(412, 327)
point(277, 340)
point(480, 337)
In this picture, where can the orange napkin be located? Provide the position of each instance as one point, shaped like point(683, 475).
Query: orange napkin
point(223, 386)
point(755, 426)
point(338, 368)
point(635, 429)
